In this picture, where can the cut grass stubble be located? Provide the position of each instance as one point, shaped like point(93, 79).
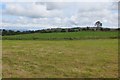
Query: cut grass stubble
point(81, 58)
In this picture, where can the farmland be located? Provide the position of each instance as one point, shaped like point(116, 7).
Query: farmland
point(50, 55)
point(65, 36)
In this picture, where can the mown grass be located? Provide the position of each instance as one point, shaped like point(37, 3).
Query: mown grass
point(65, 36)
point(59, 59)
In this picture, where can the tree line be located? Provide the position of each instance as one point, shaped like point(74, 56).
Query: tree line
point(52, 30)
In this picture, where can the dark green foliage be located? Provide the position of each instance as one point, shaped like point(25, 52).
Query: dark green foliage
point(54, 30)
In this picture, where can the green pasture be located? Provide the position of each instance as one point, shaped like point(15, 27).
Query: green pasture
point(65, 36)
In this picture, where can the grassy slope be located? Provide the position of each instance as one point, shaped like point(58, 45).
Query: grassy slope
point(81, 58)
point(63, 36)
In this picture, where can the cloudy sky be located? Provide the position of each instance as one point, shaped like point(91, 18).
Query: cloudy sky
point(39, 15)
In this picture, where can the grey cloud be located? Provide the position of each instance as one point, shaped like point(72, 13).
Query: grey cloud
point(54, 5)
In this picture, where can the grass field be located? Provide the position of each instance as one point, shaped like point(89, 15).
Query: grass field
point(65, 36)
point(59, 59)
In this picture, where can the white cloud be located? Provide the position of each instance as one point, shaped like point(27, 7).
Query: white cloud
point(59, 0)
point(89, 13)
point(55, 14)
point(30, 10)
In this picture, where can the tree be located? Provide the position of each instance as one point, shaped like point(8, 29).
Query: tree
point(98, 24)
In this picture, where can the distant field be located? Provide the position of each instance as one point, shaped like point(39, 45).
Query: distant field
point(65, 36)
point(59, 59)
